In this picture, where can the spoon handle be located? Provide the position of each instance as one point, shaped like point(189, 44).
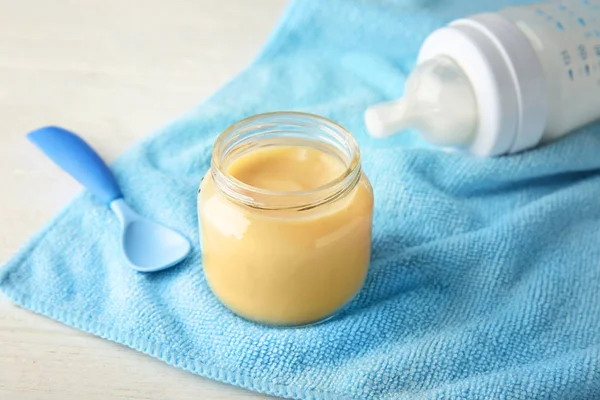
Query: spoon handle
point(76, 157)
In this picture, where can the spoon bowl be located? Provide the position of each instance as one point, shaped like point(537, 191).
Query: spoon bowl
point(147, 245)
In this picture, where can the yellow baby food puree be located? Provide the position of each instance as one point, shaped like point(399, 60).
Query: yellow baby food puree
point(285, 267)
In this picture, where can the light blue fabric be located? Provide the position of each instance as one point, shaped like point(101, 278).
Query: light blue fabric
point(485, 275)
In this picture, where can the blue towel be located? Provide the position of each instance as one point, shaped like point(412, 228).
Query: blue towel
point(485, 274)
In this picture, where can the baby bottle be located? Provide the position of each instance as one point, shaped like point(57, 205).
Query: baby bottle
point(498, 83)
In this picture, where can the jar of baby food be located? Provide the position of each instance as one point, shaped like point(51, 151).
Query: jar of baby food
point(285, 218)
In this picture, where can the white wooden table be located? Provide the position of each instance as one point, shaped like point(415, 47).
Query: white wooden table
point(111, 70)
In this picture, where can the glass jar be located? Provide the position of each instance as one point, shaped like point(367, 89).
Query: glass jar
point(285, 257)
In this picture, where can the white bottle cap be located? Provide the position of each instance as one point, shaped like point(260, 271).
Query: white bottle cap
point(507, 83)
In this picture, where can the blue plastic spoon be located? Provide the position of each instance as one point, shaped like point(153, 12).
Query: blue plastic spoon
point(147, 245)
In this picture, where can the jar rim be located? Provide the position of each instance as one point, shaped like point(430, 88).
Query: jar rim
point(267, 199)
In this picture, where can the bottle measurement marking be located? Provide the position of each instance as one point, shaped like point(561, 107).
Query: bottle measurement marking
point(582, 52)
point(566, 57)
point(582, 61)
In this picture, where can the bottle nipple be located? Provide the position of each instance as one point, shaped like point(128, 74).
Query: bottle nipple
point(385, 119)
point(439, 103)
